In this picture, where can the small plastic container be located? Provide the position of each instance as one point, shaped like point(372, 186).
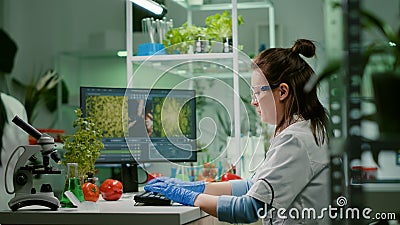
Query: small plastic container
point(151, 49)
point(362, 173)
point(369, 173)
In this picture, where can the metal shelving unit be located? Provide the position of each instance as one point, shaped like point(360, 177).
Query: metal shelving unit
point(232, 60)
point(349, 143)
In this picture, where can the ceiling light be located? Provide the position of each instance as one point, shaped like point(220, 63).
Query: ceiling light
point(151, 6)
point(122, 53)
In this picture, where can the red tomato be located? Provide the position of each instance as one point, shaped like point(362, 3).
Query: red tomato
point(91, 192)
point(151, 176)
point(230, 176)
point(111, 190)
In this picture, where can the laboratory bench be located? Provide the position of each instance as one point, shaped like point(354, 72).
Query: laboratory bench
point(382, 195)
point(118, 212)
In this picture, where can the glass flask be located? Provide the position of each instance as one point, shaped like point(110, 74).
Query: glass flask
point(73, 184)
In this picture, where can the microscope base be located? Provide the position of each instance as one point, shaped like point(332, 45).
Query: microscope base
point(39, 199)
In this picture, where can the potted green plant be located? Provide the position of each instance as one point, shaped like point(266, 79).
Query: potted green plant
point(219, 27)
point(83, 147)
point(41, 92)
point(381, 59)
point(386, 78)
point(181, 39)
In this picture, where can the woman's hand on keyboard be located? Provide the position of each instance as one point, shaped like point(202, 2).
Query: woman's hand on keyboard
point(197, 186)
point(173, 192)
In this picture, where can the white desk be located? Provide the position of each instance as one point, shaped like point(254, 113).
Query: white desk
point(118, 212)
point(382, 197)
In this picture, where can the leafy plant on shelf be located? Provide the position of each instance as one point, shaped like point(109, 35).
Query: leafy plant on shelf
point(219, 26)
point(218, 29)
point(84, 146)
point(181, 38)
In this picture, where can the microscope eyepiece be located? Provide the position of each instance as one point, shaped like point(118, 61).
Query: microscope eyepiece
point(27, 127)
point(55, 157)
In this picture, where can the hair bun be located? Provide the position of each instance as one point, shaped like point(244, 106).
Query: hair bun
point(304, 47)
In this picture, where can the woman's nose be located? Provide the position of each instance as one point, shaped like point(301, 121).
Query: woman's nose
point(254, 102)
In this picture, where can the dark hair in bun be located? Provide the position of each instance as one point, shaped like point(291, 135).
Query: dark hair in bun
point(304, 47)
point(285, 65)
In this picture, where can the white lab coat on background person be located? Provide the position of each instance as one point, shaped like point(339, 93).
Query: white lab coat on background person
point(13, 136)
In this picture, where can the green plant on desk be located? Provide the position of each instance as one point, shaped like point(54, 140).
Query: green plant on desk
point(84, 146)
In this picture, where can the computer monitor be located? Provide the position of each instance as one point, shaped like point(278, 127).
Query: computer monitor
point(142, 125)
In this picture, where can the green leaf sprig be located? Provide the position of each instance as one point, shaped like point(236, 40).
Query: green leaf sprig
point(219, 26)
point(84, 146)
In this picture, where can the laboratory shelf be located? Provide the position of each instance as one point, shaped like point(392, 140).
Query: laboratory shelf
point(217, 65)
point(192, 68)
point(382, 185)
point(384, 144)
point(224, 6)
point(231, 66)
point(175, 57)
point(378, 195)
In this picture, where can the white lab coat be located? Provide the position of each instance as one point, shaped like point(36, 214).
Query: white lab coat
point(13, 136)
point(297, 170)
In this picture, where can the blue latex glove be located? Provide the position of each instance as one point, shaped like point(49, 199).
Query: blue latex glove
point(174, 193)
point(197, 186)
point(159, 179)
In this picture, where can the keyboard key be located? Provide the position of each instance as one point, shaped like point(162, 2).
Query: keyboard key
point(149, 198)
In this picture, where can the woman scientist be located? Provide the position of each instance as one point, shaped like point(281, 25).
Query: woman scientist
point(292, 183)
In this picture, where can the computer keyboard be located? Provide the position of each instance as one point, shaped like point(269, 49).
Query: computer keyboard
point(149, 198)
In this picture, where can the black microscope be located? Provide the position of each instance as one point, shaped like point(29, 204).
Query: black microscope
point(25, 193)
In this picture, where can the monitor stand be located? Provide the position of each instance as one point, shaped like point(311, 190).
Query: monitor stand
point(129, 177)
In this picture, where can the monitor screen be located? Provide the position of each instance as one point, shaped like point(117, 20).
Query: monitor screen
point(143, 125)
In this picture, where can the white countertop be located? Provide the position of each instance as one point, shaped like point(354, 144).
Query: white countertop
point(104, 212)
point(383, 187)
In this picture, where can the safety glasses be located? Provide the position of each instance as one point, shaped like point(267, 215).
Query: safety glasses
point(256, 91)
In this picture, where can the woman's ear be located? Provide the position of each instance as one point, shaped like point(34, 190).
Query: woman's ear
point(283, 91)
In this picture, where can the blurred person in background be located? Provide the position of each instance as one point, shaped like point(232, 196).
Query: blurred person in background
point(11, 136)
